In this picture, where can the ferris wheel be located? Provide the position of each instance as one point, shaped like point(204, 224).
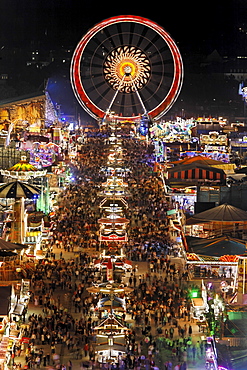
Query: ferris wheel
point(127, 65)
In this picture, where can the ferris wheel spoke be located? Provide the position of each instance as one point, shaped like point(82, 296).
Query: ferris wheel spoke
point(159, 51)
point(109, 37)
point(142, 37)
point(158, 73)
point(95, 55)
point(89, 77)
point(131, 33)
point(153, 94)
point(162, 62)
point(145, 100)
point(168, 74)
point(155, 83)
point(152, 42)
point(94, 65)
point(98, 99)
point(105, 94)
point(122, 104)
point(133, 103)
point(92, 88)
point(120, 35)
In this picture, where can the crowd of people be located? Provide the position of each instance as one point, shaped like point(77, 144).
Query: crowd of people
point(159, 299)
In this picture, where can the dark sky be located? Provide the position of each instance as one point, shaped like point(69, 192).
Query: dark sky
point(196, 26)
point(193, 25)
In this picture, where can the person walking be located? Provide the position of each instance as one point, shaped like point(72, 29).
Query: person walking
point(171, 331)
point(86, 347)
point(69, 365)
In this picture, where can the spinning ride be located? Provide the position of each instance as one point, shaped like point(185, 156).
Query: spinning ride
point(128, 65)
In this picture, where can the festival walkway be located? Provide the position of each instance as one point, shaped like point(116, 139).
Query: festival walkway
point(161, 357)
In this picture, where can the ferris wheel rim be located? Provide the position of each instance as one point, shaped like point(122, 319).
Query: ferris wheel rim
point(77, 85)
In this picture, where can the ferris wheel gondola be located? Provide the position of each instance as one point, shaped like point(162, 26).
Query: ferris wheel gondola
point(129, 65)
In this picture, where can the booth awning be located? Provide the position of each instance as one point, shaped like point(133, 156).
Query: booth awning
point(224, 245)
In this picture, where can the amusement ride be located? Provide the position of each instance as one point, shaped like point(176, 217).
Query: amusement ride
point(126, 66)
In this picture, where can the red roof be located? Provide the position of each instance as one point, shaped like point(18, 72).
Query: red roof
point(199, 158)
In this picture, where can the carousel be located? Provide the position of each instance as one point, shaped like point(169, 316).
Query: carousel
point(23, 171)
point(220, 220)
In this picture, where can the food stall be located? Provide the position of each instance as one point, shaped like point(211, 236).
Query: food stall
point(199, 303)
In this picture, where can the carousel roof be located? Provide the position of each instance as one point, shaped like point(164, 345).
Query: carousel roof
point(7, 246)
point(224, 245)
point(23, 166)
point(17, 189)
point(223, 213)
point(23, 170)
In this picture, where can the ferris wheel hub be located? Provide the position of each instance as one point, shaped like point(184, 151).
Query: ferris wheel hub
point(128, 62)
point(127, 70)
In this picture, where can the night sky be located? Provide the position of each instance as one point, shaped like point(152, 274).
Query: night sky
point(196, 27)
point(54, 22)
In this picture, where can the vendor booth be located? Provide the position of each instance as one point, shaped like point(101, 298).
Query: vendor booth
point(199, 303)
point(215, 257)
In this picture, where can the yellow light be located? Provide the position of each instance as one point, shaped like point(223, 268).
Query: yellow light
point(127, 64)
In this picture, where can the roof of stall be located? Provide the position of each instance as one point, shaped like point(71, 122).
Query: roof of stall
point(223, 213)
point(224, 245)
point(199, 159)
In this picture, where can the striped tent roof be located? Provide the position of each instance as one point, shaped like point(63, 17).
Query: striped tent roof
point(196, 172)
point(223, 213)
point(17, 189)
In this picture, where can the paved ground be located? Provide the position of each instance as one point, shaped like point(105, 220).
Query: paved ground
point(162, 356)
